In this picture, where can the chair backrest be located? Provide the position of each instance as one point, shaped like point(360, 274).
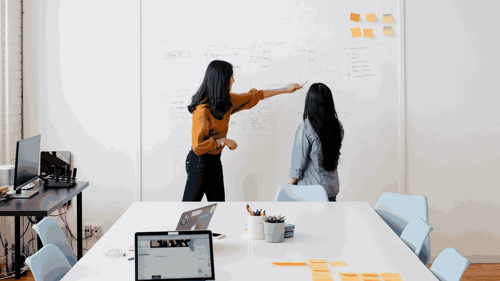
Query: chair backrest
point(415, 233)
point(48, 264)
point(306, 193)
point(450, 265)
point(398, 209)
point(50, 232)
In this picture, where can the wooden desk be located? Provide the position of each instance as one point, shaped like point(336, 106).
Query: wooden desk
point(45, 202)
point(347, 231)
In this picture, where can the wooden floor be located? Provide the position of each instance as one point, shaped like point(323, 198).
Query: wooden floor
point(476, 271)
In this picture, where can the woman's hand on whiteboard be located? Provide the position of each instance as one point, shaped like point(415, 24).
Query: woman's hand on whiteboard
point(292, 87)
point(230, 143)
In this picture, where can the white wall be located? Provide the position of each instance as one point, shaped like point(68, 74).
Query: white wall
point(453, 123)
point(82, 94)
point(82, 76)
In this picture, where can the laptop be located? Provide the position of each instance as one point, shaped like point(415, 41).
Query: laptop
point(174, 255)
point(197, 219)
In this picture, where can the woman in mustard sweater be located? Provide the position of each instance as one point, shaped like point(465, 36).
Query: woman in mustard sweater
point(212, 106)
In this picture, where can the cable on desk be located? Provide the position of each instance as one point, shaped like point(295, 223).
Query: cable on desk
point(115, 253)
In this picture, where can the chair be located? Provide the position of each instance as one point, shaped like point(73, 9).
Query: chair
point(307, 193)
point(50, 232)
point(398, 209)
point(415, 233)
point(48, 264)
point(450, 265)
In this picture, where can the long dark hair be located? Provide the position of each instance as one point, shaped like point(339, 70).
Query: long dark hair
point(320, 110)
point(214, 89)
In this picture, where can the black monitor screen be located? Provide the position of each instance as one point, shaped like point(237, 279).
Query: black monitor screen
point(27, 160)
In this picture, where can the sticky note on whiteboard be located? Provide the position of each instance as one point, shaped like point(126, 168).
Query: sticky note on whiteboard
point(355, 17)
point(368, 33)
point(388, 18)
point(356, 32)
point(371, 17)
point(388, 30)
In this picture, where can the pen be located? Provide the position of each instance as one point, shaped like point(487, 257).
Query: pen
point(248, 209)
point(263, 213)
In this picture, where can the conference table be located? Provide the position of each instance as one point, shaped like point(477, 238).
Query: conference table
point(351, 232)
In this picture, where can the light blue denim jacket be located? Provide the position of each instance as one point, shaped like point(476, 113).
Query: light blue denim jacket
point(306, 155)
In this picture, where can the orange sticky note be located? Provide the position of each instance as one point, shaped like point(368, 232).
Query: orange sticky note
point(355, 17)
point(391, 279)
point(319, 265)
point(370, 279)
point(368, 274)
point(390, 275)
point(338, 263)
point(321, 274)
point(371, 17)
point(316, 261)
point(348, 274)
point(289, 263)
point(388, 18)
point(356, 32)
point(368, 33)
point(349, 279)
point(388, 30)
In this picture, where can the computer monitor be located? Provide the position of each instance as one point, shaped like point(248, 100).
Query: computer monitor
point(26, 168)
point(179, 255)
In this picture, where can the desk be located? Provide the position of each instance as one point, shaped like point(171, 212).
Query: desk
point(45, 202)
point(342, 231)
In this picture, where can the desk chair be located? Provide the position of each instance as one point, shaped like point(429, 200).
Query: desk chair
point(50, 232)
point(415, 233)
point(398, 209)
point(48, 264)
point(450, 265)
point(309, 193)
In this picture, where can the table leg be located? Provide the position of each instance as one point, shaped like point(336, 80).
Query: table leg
point(39, 243)
point(17, 264)
point(79, 226)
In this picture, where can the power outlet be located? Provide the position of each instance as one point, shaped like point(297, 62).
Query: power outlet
point(98, 232)
point(89, 232)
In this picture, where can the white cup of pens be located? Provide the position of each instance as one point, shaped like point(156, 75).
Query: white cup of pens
point(255, 224)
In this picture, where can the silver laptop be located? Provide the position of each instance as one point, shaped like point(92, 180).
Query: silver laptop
point(197, 219)
point(174, 255)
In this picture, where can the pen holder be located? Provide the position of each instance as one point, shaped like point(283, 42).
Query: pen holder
point(256, 227)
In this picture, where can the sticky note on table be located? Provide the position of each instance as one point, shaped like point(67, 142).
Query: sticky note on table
point(316, 261)
point(368, 274)
point(388, 30)
point(289, 263)
point(348, 274)
point(321, 274)
point(355, 17)
point(318, 266)
point(391, 279)
point(338, 263)
point(371, 17)
point(356, 32)
point(349, 279)
point(388, 18)
point(390, 275)
point(368, 33)
point(370, 279)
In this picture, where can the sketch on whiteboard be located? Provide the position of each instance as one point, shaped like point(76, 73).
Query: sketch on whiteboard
point(179, 115)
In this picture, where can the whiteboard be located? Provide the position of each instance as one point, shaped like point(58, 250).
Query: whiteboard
point(271, 44)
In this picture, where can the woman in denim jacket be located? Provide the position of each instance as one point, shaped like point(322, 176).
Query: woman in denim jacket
point(318, 139)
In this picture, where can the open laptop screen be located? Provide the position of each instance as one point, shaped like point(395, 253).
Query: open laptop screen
point(174, 255)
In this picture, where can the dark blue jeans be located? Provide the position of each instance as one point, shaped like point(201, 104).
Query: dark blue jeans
point(204, 176)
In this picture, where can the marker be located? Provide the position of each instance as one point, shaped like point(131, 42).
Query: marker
point(304, 84)
point(248, 209)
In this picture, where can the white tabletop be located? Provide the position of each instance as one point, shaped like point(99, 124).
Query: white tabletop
point(342, 231)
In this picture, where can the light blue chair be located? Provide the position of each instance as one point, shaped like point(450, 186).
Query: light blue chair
point(48, 264)
point(50, 232)
point(415, 233)
point(398, 209)
point(305, 193)
point(450, 265)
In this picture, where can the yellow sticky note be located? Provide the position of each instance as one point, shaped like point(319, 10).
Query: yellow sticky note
point(349, 279)
point(338, 263)
point(368, 274)
point(388, 18)
point(388, 30)
point(390, 275)
point(355, 17)
point(356, 32)
point(371, 17)
point(348, 274)
point(368, 33)
point(316, 261)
